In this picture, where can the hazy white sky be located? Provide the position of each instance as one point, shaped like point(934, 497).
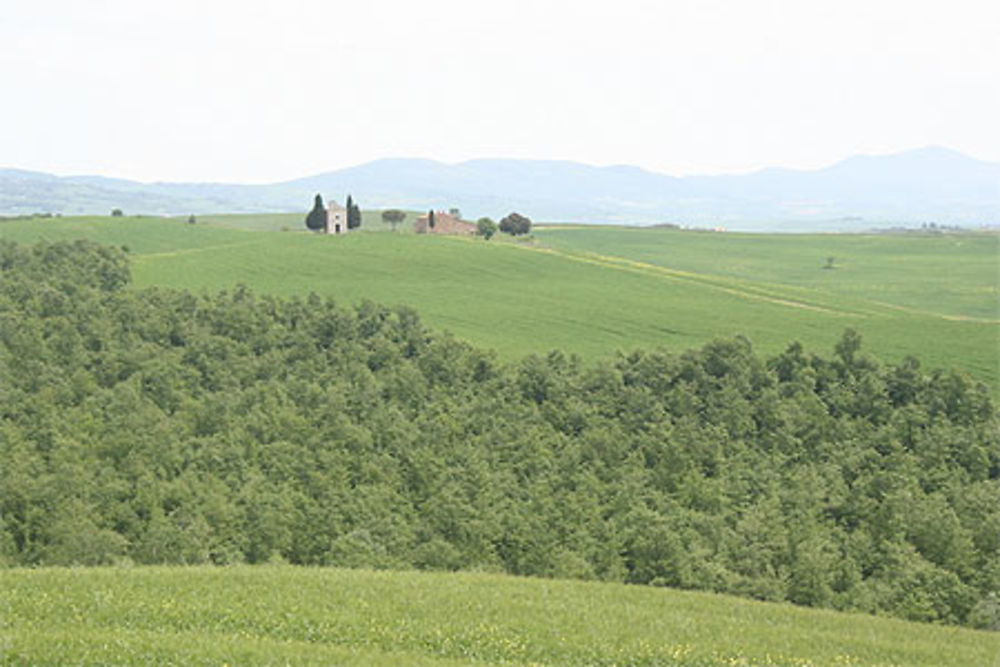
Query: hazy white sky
point(263, 91)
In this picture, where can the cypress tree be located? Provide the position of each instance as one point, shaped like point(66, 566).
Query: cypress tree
point(430, 219)
point(353, 214)
point(316, 220)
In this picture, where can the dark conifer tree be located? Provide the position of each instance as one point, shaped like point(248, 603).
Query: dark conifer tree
point(430, 219)
point(316, 220)
point(353, 214)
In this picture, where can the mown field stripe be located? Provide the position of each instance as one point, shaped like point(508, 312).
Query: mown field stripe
point(642, 268)
point(943, 316)
point(775, 294)
point(774, 291)
point(729, 286)
point(193, 251)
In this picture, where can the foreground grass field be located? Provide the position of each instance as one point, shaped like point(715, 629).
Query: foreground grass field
point(594, 290)
point(289, 615)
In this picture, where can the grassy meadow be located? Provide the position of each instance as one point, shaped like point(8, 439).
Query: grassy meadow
point(595, 290)
point(289, 615)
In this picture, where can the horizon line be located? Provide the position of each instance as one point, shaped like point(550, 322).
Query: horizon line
point(446, 163)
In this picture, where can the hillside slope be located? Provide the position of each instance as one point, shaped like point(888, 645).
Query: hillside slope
point(323, 616)
point(594, 291)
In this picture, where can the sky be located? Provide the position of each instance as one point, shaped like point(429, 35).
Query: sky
point(258, 92)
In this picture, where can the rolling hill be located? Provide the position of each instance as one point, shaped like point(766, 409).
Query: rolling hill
point(909, 188)
point(270, 615)
point(594, 290)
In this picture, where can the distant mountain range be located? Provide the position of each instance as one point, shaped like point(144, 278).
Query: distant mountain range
point(909, 188)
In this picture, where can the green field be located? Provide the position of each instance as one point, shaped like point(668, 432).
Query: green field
point(595, 290)
point(290, 615)
point(956, 275)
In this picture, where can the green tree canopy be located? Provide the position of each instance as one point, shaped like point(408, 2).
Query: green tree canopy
point(486, 228)
point(515, 224)
point(393, 216)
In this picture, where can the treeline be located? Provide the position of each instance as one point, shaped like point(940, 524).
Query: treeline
point(156, 426)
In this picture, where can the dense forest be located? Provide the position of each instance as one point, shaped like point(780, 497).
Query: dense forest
point(158, 426)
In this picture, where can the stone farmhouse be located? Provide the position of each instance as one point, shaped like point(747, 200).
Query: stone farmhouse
point(444, 223)
point(336, 219)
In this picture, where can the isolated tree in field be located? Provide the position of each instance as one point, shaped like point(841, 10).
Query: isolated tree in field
point(191, 219)
point(393, 216)
point(353, 214)
point(515, 224)
point(316, 220)
point(116, 213)
point(430, 219)
point(486, 228)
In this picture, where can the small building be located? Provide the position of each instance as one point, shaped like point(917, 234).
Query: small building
point(444, 223)
point(336, 219)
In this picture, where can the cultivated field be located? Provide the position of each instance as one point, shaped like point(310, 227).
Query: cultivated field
point(953, 275)
point(286, 615)
point(595, 290)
